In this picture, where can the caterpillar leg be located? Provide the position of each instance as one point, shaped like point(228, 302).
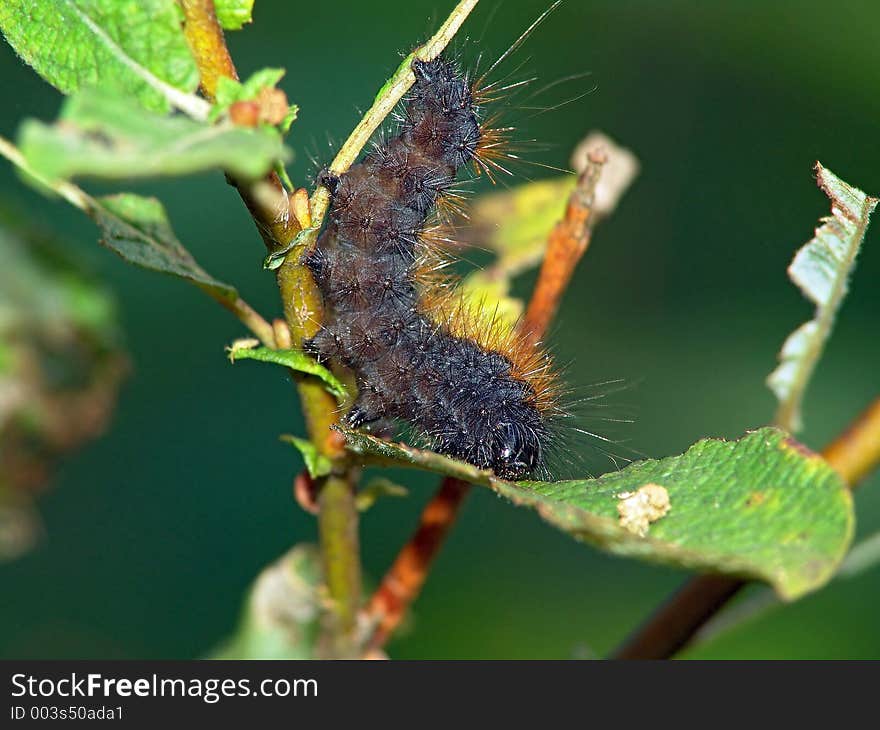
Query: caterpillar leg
point(360, 416)
point(328, 180)
point(368, 408)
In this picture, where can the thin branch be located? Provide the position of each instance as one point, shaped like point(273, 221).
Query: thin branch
point(404, 580)
point(205, 38)
point(853, 455)
point(79, 198)
point(248, 316)
point(74, 195)
point(269, 205)
point(856, 452)
point(395, 88)
point(293, 280)
point(267, 200)
point(283, 232)
point(567, 244)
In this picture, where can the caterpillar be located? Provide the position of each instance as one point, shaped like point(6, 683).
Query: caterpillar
point(466, 385)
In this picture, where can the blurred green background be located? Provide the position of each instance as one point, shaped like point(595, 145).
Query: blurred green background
point(155, 531)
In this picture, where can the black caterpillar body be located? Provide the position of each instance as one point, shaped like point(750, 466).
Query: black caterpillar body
point(462, 398)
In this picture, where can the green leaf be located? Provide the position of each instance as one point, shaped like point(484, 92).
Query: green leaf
point(375, 490)
point(234, 14)
point(138, 229)
point(230, 90)
point(289, 119)
point(281, 618)
point(135, 227)
point(317, 464)
point(130, 49)
point(762, 507)
point(821, 269)
point(108, 137)
point(295, 360)
point(274, 259)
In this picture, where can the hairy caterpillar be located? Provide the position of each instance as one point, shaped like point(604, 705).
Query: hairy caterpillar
point(468, 386)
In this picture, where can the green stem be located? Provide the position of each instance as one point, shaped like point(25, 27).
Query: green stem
point(338, 530)
point(268, 203)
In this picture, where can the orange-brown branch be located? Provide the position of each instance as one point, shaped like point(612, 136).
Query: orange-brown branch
point(404, 580)
point(856, 452)
point(208, 46)
point(266, 199)
point(853, 454)
point(566, 245)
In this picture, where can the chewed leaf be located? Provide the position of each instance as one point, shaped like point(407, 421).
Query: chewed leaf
point(516, 223)
point(138, 229)
point(295, 360)
point(131, 49)
point(281, 617)
point(316, 463)
point(762, 507)
point(104, 136)
point(821, 269)
point(234, 14)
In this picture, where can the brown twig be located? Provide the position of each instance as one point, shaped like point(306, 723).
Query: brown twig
point(856, 451)
point(566, 245)
point(404, 580)
point(853, 455)
point(252, 319)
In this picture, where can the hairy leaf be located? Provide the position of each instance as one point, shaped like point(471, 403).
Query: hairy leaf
point(762, 507)
point(108, 137)
point(132, 49)
point(821, 269)
point(233, 14)
point(138, 229)
point(295, 360)
point(282, 614)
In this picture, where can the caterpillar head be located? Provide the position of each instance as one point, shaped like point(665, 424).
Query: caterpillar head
point(519, 450)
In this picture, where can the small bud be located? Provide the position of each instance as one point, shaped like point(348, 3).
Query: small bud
point(245, 113)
